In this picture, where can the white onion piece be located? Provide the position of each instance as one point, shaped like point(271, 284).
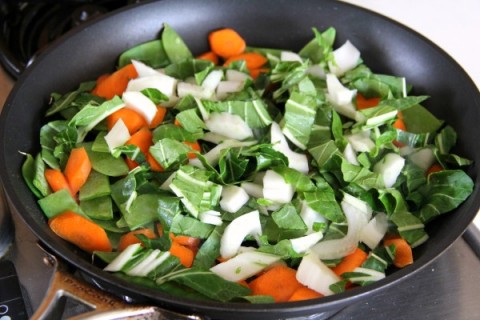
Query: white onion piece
point(310, 217)
point(302, 244)
point(341, 97)
point(345, 58)
point(143, 70)
point(237, 230)
point(350, 154)
point(163, 83)
point(185, 89)
point(297, 161)
point(290, 56)
point(253, 189)
point(118, 135)
point(339, 248)
point(244, 265)
point(314, 274)
point(224, 88)
point(317, 71)
point(212, 80)
point(211, 217)
point(228, 125)
point(233, 198)
point(375, 230)
point(276, 189)
point(361, 141)
point(138, 102)
point(423, 158)
point(389, 168)
point(235, 75)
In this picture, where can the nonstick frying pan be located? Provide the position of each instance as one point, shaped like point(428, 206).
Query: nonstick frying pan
point(387, 47)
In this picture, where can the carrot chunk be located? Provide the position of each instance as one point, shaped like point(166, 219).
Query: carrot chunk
point(226, 43)
point(253, 60)
point(364, 103)
point(132, 120)
point(159, 116)
point(436, 167)
point(280, 282)
point(210, 56)
point(185, 254)
point(84, 233)
point(350, 262)
point(130, 238)
point(77, 169)
point(195, 146)
point(115, 83)
point(186, 241)
point(304, 293)
point(57, 180)
point(403, 251)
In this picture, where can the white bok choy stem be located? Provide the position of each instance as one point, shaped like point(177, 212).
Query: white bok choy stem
point(357, 215)
point(244, 265)
point(237, 231)
point(314, 274)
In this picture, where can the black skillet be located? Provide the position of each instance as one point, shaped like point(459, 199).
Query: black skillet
point(387, 47)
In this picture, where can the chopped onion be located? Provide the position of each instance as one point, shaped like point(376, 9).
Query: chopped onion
point(361, 141)
point(253, 189)
point(237, 230)
point(143, 70)
point(276, 189)
point(375, 230)
point(118, 135)
point(297, 161)
point(163, 83)
point(212, 80)
point(389, 168)
point(211, 217)
point(341, 97)
point(228, 125)
point(350, 154)
point(302, 244)
point(224, 88)
point(345, 58)
point(138, 102)
point(310, 217)
point(339, 248)
point(235, 75)
point(314, 274)
point(290, 56)
point(233, 198)
point(188, 89)
point(423, 158)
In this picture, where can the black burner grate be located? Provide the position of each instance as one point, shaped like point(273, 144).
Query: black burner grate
point(27, 27)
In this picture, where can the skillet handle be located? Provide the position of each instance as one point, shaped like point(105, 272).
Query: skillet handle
point(105, 306)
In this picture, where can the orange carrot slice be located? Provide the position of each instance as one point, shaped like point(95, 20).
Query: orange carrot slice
point(210, 56)
point(403, 251)
point(364, 103)
point(77, 169)
point(195, 146)
point(253, 60)
point(116, 83)
point(185, 254)
point(436, 167)
point(57, 180)
point(159, 116)
point(280, 282)
point(226, 43)
point(130, 238)
point(132, 120)
point(350, 262)
point(80, 231)
point(304, 293)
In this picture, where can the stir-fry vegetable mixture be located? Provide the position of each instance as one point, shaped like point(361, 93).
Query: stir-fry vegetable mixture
point(245, 174)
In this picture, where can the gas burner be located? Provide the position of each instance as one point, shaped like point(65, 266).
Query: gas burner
point(28, 27)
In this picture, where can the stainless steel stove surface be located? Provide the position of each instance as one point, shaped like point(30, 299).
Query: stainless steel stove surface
point(445, 289)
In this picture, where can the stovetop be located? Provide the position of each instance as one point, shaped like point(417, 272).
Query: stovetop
point(445, 289)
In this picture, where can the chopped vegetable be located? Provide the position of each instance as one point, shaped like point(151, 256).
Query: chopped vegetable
point(80, 231)
point(226, 43)
point(268, 175)
point(77, 169)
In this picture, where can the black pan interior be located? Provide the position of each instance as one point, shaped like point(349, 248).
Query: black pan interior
point(386, 47)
